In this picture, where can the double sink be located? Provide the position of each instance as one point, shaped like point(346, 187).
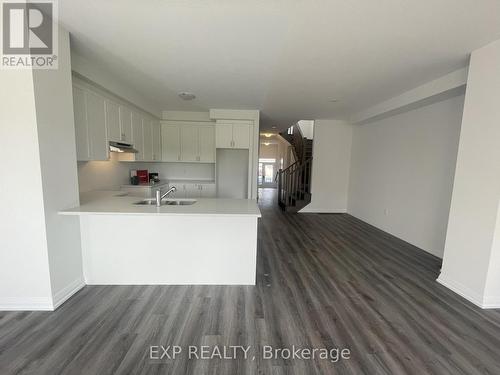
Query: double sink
point(166, 202)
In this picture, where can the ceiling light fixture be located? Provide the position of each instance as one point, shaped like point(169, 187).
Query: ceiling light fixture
point(187, 95)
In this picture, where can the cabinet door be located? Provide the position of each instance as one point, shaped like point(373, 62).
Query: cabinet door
point(96, 120)
point(241, 135)
point(192, 190)
point(113, 121)
point(189, 143)
point(170, 142)
point(206, 135)
point(81, 130)
point(224, 135)
point(125, 124)
point(156, 141)
point(207, 190)
point(148, 139)
point(137, 136)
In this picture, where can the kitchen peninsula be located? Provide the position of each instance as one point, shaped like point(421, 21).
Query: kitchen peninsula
point(213, 241)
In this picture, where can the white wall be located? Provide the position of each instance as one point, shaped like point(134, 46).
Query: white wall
point(56, 138)
point(471, 244)
point(402, 172)
point(331, 164)
point(307, 128)
point(24, 271)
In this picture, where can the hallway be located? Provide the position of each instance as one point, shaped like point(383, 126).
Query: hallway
point(323, 281)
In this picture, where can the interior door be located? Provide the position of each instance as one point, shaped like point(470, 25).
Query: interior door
point(189, 143)
point(170, 142)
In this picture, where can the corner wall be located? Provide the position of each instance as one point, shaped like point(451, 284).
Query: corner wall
point(402, 170)
point(331, 164)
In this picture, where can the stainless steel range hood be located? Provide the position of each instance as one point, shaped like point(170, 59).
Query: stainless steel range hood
point(122, 147)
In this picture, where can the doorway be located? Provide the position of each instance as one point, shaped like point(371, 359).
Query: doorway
point(267, 173)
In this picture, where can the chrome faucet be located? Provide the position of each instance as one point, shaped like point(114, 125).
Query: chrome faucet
point(159, 196)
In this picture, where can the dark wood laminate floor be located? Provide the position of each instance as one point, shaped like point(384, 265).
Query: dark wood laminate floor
point(323, 281)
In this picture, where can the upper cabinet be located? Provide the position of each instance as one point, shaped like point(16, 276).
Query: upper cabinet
point(192, 142)
point(125, 123)
point(170, 142)
point(113, 121)
point(233, 134)
point(138, 135)
point(81, 129)
point(90, 125)
point(148, 139)
point(156, 140)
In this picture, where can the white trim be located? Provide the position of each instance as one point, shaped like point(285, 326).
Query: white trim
point(64, 294)
point(306, 210)
point(489, 302)
point(26, 304)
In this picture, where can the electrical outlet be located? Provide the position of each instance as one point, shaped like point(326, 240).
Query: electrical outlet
point(386, 211)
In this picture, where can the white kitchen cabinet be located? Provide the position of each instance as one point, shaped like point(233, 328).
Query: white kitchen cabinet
point(138, 136)
point(191, 191)
point(125, 124)
point(96, 123)
point(189, 143)
point(147, 125)
point(206, 135)
point(207, 190)
point(170, 142)
point(233, 134)
point(156, 140)
point(192, 142)
point(113, 121)
point(224, 135)
point(81, 129)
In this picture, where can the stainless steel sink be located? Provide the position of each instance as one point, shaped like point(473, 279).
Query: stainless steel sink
point(186, 202)
point(166, 202)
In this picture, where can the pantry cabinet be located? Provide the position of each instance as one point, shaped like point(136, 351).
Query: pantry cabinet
point(233, 134)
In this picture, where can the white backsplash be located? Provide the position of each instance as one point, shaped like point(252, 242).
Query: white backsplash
point(103, 175)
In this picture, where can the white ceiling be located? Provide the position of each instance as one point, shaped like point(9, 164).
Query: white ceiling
point(287, 58)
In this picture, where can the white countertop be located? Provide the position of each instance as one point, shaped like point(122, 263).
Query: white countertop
point(116, 203)
point(184, 181)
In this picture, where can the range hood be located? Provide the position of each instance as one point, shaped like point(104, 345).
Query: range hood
point(122, 147)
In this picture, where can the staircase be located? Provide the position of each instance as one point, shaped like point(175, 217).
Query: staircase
point(294, 182)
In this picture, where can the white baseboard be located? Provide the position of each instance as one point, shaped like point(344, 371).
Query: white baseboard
point(307, 210)
point(470, 295)
point(26, 304)
point(64, 294)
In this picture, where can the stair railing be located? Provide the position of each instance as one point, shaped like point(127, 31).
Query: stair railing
point(294, 183)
